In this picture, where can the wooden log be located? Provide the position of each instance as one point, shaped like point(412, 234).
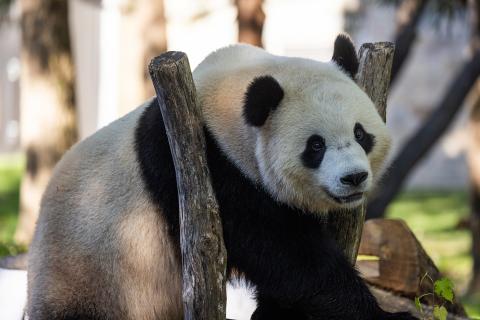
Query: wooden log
point(394, 303)
point(201, 237)
point(402, 262)
point(374, 77)
point(374, 72)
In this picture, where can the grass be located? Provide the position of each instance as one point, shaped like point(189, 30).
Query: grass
point(433, 216)
point(11, 168)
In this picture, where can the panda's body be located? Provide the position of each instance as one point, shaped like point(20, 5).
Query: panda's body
point(107, 240)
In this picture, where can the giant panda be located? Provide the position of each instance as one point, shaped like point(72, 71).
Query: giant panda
point(287, 140)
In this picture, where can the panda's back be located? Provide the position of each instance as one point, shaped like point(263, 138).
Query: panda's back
point(97, 225)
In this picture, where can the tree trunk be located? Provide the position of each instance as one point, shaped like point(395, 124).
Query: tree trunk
point(423, 140)
point(374, 78)
point(143, 30)
point(47, 110)
point(204, 257)
point(473, 159)
point(408, 16)
point(250, 21)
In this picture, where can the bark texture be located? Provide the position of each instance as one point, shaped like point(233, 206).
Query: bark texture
point(250, 17)
point(201, 237)
point(402, 262)
point(47, 101)
point(374, 78)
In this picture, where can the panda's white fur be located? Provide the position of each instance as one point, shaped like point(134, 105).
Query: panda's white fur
point(319, 98)
point(101, 238)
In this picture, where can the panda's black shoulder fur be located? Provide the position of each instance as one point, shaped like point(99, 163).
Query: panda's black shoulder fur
point(157, 169)
point(297, 269)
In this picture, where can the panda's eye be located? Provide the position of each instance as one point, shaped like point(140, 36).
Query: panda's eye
point(359, 133)
point(317, 145)
point(315, 149)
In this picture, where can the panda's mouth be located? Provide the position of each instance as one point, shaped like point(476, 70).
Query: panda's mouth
point(345, 199)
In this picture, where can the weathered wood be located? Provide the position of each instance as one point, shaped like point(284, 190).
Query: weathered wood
point(374, 72)
point(374, 77)
point(401, 264)
point(201, 239)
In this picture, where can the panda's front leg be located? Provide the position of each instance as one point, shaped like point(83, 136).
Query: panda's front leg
point(268, 309)
point(318, 283)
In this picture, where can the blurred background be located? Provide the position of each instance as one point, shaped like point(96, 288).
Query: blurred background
point(69, 67)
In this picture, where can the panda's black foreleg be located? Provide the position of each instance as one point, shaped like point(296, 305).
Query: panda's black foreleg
point(269, 310)
point(327, 288)
point(308, 278)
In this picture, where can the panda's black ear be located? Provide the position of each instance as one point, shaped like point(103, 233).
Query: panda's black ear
point(263, 96)
point(345, 56)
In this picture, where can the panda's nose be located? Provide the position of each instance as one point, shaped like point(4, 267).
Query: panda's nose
point(354, 179)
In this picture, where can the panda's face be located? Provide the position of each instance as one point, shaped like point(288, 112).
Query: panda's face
point(323, 146)
point(320, 142)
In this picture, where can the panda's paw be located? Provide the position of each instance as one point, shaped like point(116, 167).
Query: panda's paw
point(398, 316)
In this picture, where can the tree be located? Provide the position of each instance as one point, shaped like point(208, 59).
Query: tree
point(47, 101)
point(143, 30)
point(48, 118)
point(473, 159)
point(250, 18)
point(408, 16)
point(4, 4)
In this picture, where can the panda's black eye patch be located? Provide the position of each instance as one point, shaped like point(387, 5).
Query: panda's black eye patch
point(364, 139)
point(359, 133)
point(314, 151)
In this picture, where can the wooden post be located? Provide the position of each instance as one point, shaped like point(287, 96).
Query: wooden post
point(374, 77)
point(201, 237)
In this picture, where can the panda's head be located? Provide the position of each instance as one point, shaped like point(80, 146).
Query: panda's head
point(320, 143)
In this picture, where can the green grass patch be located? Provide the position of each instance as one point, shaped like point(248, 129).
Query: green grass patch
point(11, 168)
